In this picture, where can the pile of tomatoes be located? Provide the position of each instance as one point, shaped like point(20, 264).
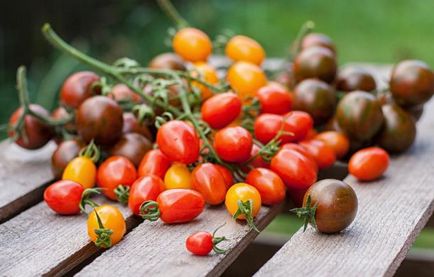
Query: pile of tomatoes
point(250, 145)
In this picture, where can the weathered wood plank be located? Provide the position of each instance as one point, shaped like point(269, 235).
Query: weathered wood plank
point(392, 211)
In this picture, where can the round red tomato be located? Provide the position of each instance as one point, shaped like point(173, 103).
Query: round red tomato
point(267, 126)
point(221, 109)
point(154, 162)
point(368, 164)
point(274, 99)
point(77, 88)
point(233, 144)
point(208, 180)
point(299, 123)
point(269, 185)
point(324, 155)
point(144, 189)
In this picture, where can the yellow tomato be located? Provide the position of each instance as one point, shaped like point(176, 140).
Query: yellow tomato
point(81, 170)
point(246, 78)
point(112, 220)
point(242, 48)
point(243, 192)
point(207, 73)
point(178, 176)
point(192, 44)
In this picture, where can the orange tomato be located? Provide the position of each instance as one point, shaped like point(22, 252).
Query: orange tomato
point(269, 185)
point(323, 154)
point(112, 220)
point(242, 48)
point(336, 140)
point(369, 163)
point(207, 73)
point(81, 170)
point(192, 44)
point(242, 193)
point(178, 176)
point(246, 78)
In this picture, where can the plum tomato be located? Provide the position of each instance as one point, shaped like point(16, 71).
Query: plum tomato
point(315, 62)
point(208, 180)
point(227, 175)
point(122, 93)
point(201, 243)
point(323, 154)
point(243, 202)
point(132, 125)
point(132, 146)
point(178, 176)
point(167, 61)
point(369, 163)
point(64, 197)
point(192, 45)
point(274, 99)
point(154, 162)
point(245, 79)
point(242, 48)
point(269, 184)
point(355, 78)
point(145, 188)
point(337, 141)
point(267, 126)
point(299, 123)
point(300, 149)
point(221, 109)
point(207, 73)
point(106, 226)
point(318, 39)
point(77, 88)
point(64, 153)
point(233, 144)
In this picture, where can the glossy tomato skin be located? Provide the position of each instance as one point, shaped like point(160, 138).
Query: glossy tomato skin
point(64, 153)
point(242, 192)
point(318, 39)
point(200, 243)
point(132, 146)
point(274, 99)
point(99, 118)
point(227, 175)
point(178, 141)
point(221, 109)
point(167, 61)
point(132, 125)
point(192, 44)
point(81, 170)
point(178, 176)
point(323, 154)
point(336, 205)
point(242, 48)
point(299, 123)
point(369, 163)
point(145, 188)
point(267, 126)
point(77, 88)
point(207, 73)
point(64, 197)
point(246, 78)
point(336, 140)
point(115, 171)
point(258, 161)
point(180, 205)
point(122, 92)
point(269, 184)
point(302, 150)
point(315, 62)
point(233, 144)
point(208, 180)
point(355, 78)
point(111, 218)
point(38, 134)
point(154, 162)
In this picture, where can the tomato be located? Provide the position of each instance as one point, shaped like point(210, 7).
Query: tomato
point(207, 73)
point(295, 169)
point(311, 134)
point(36, 134)
point(154, 162)
point(77, 88)
point(324, 155)
point(300, 149)
point(269, 184)
point(178, 141)
point(64, 153)
point(258, 161)
point(192, 45)
point(132, 125)
point(114, 172)
point(243, 202)
point(329, 205)
point(227, 175)
point(99, 118)
point(355, 78)
point(299, 123)
point(242, 48)
point(318, 39)
point(81, 170)
point(336, 140)
point(315, 62)
point(246, 79)
point(60, 113)
point(201, 243)
point(221, 109)
point(369, 163)
point(112, 229)
point(208, 180)
point(132, 146)
point(178, 176)
point(145, 188)
point(274, 99)
point(174, 206)
point(267, 126)
point(122, 93)
point(233, 144)
point(167, 61)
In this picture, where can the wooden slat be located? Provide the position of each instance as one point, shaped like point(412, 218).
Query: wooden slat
point(392, 211)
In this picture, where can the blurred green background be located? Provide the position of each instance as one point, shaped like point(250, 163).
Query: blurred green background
point(365, 31)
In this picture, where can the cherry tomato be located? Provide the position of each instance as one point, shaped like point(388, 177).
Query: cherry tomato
point(112, 220)
point(300, 149)
point(208, 180)
point(178, 141)
point(227, 175)
point(132, 125)
point(178, 176)
point(81, 170)
point(258, 161)
point(60, 113)
point(113, 172)
point(336, 140)
point(77, 88)
point(318, 39)
point(267, 126)
point(246, 78)
point(274, 99)
point(242, 48)
point(269, 184)
point(122, 93)
point(167, 61)
point(323, 154)
point(64, 153)
point(315, 62)
point(201, 243)
point(145, 188)
point(368, 164)
point(207, 73)
point(221, 109)
point(154, 162)
point(233, 144)
point(64, 197)
point(243, 202)
point(299, 123)
point(132, 146)
point(355, 78)
point(192, 45)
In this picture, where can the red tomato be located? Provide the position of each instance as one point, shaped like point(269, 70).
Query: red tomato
point(200, 243)
point(144, 189)
point(77, 88)
point(178, 141)
point(233, 144)
point(227, 175)
point(299, 123)
point(295, 169)
point(115, 171)
point(154, 162)
point(64, 197)
point(368, 164)
point(122, 92)
point(207, 179)
point(269, 185)
point(267, 126)
point(258, 161)
point(221, 109)
point(274, 99)
point(301, 149)
point(324, 155)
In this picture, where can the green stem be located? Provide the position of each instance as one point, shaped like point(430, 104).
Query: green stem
point(306, 28)
point(172, 13)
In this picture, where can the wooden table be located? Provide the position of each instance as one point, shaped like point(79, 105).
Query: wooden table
point(392, 211)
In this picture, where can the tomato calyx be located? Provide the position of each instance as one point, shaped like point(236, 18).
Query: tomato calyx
point(217, 240)
point(103, 234)
point(307, 213)
point(91, 151)
point(122, 193)
point(85, 199)
point(246, 208)
point(149, 210)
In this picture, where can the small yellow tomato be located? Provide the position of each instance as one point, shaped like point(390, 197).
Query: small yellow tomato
point(242, 48)
point(178, 176)
point(207, 73)
point(113, 226)
point(246, 79)
point(192, 45)
point(81, 170)
point(244, 193)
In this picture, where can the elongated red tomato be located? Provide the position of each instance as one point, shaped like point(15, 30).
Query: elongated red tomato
point(323, 154)
point(369, 163)
point(64, 197)
point(178, 141)
point(144, 189)
point(233, 144)
point(221, 109)
point(269, 184)
point(208, 180)
point(301, 149)
point(267, 126)
point(274, 99)
point(227, 175)
point(154, 162)
point(299, 123)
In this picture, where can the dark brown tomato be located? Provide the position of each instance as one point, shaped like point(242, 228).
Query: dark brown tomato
point(355, 78)
point(415, 111)
point(332, 125)
point(399, 129)
point(64, 153)
point(286, 78)
point(77, 88)
point(315, 62)
point(132, 125)
point(336, 205)
point(318, 39)
point(317, 98)
point(411, 83)
point(132, 146)
point(37, 134)
point(61, 113)
point(122, 93)
point(99, 118)
point(167, 61)
point(359, 115)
